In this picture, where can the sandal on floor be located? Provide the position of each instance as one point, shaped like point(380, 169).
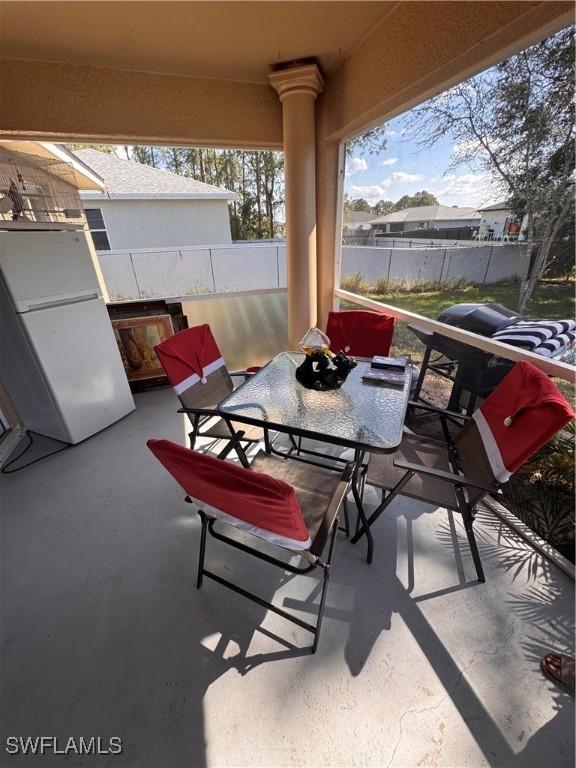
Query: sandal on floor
point(559, 668)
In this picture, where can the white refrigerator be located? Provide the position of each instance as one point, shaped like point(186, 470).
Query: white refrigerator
point(58, 356)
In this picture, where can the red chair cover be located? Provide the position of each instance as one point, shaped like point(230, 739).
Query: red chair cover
point(256, 502)
point(189, 357)
point(524, 411)
point(359, 332)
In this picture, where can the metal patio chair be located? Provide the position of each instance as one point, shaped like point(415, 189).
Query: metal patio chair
point(360, 332)
point(524, 411)
point(198, 374)
point(288, 504)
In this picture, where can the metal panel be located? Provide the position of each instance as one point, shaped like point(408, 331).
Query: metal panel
point(249, 329)
point(244, 269)
point(173, 272)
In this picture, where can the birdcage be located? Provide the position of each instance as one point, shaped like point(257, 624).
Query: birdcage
point(37, 189)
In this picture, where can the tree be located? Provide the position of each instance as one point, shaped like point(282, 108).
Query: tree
point(359, 204)
point(415, 201)
point(516, 121)
point(370, 143)
point(110, 149)
point(424, 198)
point(382, 207)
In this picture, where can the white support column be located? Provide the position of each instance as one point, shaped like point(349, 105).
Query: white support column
point(298, 87)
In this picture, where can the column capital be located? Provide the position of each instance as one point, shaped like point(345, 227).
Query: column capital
point(305, 78)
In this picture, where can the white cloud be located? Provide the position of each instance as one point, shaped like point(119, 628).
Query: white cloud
point(372, 193)
point(390, 161)
point(400, 177)
point(356, 165)
point(465, 189)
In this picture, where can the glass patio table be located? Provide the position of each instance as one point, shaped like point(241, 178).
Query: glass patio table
point(360, 416)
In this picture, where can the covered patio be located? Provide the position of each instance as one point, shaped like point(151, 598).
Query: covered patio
point(104, 631)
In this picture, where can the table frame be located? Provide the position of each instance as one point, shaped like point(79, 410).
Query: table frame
point(360, 451)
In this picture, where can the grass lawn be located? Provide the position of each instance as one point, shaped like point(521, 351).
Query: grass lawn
point(550, 301)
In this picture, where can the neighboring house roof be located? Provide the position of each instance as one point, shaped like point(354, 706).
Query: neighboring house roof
point(358, 220)
point(127, 180)
point(358, 217)
point(505, 206)
point(428, 213)
point(84, 177)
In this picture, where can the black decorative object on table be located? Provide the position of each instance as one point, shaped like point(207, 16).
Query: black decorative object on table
point(316, 372)
point(321, 369)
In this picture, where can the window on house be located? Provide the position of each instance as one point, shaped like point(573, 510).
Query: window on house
point(97, 229)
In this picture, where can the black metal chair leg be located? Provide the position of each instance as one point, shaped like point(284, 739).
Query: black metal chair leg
point(194, 434)
point(232, 445)
point(358, 456)
point(423, 370)
point(468, 527)
point(383, 505)
point(362, 489)
point(326, 568)
point(346, 518)
point(235, 444)
point(202, 554)
point(360, 531)
point(363, 474)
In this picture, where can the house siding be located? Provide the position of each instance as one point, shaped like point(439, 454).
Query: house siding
point(162, 223)
point(494, 220)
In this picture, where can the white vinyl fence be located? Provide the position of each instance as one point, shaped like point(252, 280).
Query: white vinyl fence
point(188, 271)
point(161, 273)
point(414, 266)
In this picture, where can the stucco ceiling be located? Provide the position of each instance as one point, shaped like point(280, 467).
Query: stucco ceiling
point(228, 40)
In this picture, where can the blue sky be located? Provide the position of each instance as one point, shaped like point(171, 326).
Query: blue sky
point(404, 168)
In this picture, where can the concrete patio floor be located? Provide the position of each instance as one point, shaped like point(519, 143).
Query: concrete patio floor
point(104, 633)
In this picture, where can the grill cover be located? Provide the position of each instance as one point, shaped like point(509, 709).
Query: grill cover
point(483, 319)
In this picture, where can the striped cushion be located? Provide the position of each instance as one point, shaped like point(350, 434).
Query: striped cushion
point(557, 344)
point(531, 334)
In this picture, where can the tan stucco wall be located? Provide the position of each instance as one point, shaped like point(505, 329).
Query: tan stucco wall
point(422, 47)
point(163, 223)
point(64, 101)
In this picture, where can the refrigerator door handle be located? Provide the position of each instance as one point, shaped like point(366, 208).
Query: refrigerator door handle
point(56, 301)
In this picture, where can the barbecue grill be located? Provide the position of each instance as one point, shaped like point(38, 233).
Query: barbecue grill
point(474, 373)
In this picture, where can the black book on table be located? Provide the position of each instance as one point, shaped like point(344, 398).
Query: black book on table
point(383, 377)
point(397, 364)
